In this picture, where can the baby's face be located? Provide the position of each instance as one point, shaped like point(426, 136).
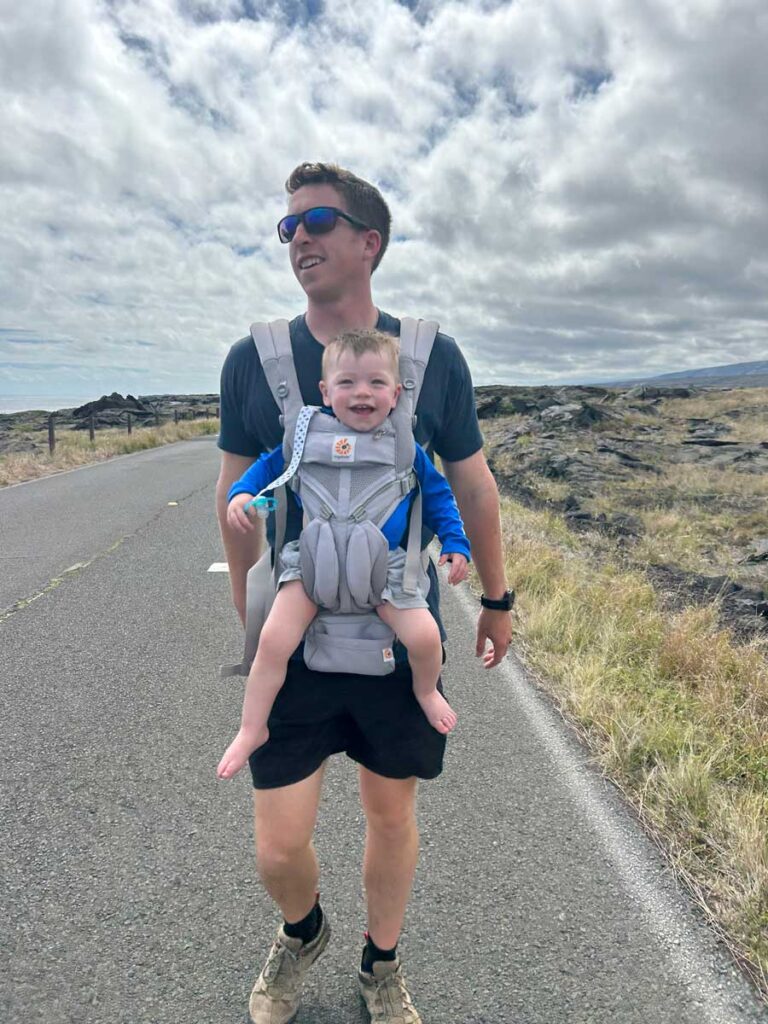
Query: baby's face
point(361, 390)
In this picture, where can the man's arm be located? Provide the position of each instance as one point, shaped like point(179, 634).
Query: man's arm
point(242, 551)
point(477, 496)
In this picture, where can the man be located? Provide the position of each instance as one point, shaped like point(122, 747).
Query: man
point(337, 230)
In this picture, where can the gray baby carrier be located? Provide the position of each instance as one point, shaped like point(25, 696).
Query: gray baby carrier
point(349, 485)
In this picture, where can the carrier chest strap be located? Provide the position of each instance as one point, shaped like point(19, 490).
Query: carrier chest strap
point(299, 439)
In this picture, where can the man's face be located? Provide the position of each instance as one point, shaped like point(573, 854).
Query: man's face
point(329, 266)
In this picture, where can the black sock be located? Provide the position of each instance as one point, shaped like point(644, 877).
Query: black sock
point(308, 928)
point(372, 952)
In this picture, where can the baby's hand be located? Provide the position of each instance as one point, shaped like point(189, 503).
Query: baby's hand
point(458, 570)
point(236, 517)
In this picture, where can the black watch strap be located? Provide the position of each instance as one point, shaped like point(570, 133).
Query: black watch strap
point(502, 604)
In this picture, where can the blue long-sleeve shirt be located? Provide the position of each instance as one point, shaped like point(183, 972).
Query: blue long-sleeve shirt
point(439, 511)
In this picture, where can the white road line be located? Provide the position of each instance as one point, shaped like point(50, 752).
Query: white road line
point(632, 863)
point(218, 567)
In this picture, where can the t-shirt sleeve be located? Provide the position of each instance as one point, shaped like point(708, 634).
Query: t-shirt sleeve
point(459, 434)
point(234, 436)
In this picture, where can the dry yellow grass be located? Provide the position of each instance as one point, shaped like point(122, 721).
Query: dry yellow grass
point(75, 449)
point(698, 518)
point(675, 713)
point(749, 406)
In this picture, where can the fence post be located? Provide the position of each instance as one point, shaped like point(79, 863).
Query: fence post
point(130, 424)
point(51, 435)
point(217, 412)
point(175, 415)
point(92, 427)
point(157, 418)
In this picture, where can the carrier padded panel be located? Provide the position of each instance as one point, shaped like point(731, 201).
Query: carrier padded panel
point(366, 566)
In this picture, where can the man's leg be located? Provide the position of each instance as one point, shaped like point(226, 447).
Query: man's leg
point(391, 852)
point(284, 820)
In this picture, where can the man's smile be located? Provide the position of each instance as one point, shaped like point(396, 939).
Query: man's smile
point(309, 261)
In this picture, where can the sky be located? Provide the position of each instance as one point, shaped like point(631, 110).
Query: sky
point(579, 188)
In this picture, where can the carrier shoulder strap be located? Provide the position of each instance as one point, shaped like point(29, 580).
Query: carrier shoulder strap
point(416, 340)
point(273, 345)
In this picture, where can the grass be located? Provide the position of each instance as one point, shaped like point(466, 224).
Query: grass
point(74, 448)
point(696, 517)
point(744, 410)
point(674, 711)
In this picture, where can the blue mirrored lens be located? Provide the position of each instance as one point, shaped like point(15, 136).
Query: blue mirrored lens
point(319, 219)
point(287, 227)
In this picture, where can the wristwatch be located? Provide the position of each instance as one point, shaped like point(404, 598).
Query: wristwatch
point(502, 604)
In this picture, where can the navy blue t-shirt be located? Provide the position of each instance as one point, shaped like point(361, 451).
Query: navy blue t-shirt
point(446, 420)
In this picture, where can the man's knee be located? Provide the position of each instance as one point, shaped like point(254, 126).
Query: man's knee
point(275, 853)
point(392, 812)
point(284, 821)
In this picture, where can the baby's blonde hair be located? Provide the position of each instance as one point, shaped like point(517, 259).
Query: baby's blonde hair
point(360, 342)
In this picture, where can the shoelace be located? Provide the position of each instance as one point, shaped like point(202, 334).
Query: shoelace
point(275, 962)
point(392, 996)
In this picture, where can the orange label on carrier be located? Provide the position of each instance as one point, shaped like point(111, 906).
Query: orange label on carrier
point(343, 448)
point(388, 654)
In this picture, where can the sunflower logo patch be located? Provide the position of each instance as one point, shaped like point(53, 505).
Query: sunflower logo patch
point(343, 448)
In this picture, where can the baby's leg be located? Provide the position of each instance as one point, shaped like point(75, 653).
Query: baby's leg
point(416, 628)
point(281, 634)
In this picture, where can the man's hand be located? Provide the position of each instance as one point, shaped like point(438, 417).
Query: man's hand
point(494, 627)
point(478, 499)
point(236, 518)
point(242, 549)
point(458, 570)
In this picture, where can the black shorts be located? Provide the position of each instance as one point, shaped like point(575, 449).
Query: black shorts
point(375, 720)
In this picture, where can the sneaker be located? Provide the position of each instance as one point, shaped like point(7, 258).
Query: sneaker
point(385, 994)
point(276, 994)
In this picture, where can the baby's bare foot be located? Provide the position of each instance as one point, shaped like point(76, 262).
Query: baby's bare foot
point(439, 712)
point(240, 749)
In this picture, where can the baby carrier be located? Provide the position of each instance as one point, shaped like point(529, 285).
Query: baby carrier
point(350, 484)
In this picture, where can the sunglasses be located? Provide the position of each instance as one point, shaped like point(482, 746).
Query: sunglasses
point(317, 221)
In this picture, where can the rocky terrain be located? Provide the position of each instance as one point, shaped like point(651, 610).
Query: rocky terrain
point(28, 431)
point(652, 472)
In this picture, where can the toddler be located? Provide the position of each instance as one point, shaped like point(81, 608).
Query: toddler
point(361, 386)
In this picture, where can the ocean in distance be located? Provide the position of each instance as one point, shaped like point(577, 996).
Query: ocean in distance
point(21, 403)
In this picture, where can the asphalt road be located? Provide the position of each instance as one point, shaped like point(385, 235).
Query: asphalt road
point(128, 886)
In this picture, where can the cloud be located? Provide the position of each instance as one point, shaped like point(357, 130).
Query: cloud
point(578, 188)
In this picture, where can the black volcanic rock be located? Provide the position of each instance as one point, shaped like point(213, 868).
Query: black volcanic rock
point(114, 401)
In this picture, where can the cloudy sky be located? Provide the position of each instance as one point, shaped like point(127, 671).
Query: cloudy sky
point(579, 187)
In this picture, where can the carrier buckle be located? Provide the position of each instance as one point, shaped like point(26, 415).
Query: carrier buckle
point(407, 484)
point(359, 514)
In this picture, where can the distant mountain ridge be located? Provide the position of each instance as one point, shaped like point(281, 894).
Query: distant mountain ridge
point(755, 368)
point(747, 375)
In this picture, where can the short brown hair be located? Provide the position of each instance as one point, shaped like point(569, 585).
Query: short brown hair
point(363, 200)
point(360, 342)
